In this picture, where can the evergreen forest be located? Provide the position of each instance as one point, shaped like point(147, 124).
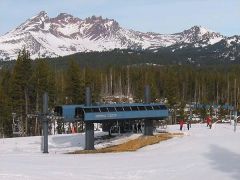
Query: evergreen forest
point(23, 82)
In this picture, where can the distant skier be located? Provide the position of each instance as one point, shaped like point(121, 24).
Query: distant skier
point(188, 124)
point(139, 127)
point(208, 119)
point(181, 122)
point(210, 123)
point(135, 128)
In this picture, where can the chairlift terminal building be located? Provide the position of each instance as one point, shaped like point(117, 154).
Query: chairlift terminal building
point(112, 112)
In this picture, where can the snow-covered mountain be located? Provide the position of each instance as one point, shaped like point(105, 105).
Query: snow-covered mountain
point(199, 37)
point(64, 35)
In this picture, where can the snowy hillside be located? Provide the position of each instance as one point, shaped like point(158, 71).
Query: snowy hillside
point(201, 154)
point(64, 35)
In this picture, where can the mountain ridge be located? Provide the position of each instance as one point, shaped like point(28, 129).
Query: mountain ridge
point(65, 34)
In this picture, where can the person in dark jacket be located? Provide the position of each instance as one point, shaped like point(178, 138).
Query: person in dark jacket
point(135, 128)
point(210, 123)
point(188, 124)
point(139, 127)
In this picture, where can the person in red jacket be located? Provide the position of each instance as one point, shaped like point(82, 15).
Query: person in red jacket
point(181, 122)
point(208, 119)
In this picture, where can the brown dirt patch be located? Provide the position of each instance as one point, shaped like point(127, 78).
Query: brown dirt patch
point(132, 145)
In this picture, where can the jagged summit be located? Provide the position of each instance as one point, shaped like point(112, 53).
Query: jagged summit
point(65, 34)
point(199, 36)
point(42, 14)
point(64, 15)
point(40, 18)
point(200, 30)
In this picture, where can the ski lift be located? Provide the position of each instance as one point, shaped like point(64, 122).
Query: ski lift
point(16, 126)
point(115, 129)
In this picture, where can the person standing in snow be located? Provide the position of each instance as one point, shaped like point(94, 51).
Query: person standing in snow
point(135, 128)
point(139, 127)
point(181, 122)
point(188, 124)
point(208, 119)
point(210, 123)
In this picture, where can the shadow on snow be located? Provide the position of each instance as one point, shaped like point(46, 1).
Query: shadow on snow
point(225, 161)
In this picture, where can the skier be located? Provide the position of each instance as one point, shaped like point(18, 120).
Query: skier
point(181, 122)
point(139, 127)
point(188, 124)
point(210, 123)
point(135, 128)
point(208, 119)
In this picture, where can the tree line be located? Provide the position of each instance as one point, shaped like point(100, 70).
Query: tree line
point(22, 85)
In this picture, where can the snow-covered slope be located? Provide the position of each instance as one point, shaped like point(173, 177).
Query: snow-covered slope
point(64, 35)
point(202, 153)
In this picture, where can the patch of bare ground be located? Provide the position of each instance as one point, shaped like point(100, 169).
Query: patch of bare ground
point(132, 145)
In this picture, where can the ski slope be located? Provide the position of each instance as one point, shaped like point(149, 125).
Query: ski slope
point(200, 154)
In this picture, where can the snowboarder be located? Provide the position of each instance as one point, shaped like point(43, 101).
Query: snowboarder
point(181, 122)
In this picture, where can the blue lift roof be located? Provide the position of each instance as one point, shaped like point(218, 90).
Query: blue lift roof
point(104, 112)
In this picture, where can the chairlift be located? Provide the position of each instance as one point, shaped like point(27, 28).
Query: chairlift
point(115, 129)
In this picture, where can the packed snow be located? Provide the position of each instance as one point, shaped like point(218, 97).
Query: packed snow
point(202, 153)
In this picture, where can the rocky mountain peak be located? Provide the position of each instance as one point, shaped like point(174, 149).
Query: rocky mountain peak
point(41, 17)
point(64, 15)
point(199, 30)
point(42, 14)
point(34, 23)
point(196, 31)
point(99, 27)
point(64, 18)
point(199, 34)
point(65, 34)
point(94, 19)
point(101, 20)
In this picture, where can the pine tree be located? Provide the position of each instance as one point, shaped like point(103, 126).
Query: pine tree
point(171, 88)
point(5, 113)
point(19, 85)
point(74, 84)
point(42, 81)
point(20, 81)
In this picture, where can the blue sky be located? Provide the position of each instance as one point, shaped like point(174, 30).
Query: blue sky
point(162, 16)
